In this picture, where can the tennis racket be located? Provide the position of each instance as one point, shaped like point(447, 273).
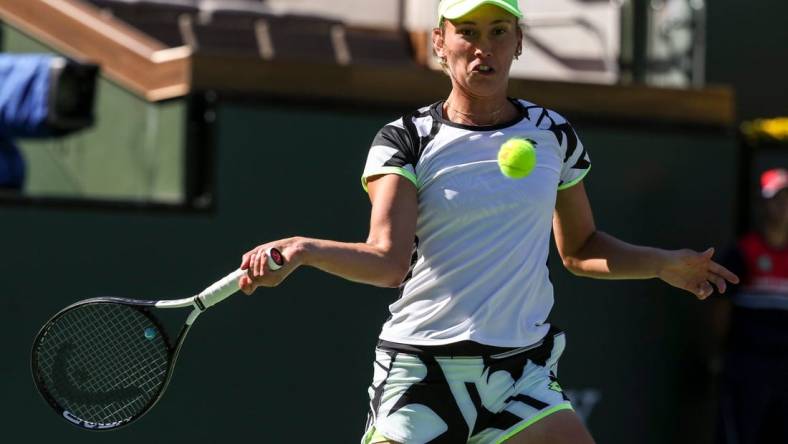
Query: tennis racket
point(102, 363)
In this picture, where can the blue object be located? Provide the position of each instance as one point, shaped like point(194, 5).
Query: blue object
point(24, 94)
point(12, 166)
point(24, 106)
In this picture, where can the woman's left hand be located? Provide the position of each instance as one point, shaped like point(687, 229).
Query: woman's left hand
point(696, 272)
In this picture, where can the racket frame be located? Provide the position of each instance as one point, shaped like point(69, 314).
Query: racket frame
point(217, 292)
point(212, 295)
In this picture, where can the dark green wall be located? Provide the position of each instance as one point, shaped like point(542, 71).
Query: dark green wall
point(292, 364)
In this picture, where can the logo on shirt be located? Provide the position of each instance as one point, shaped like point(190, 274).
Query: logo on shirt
point(764, 263)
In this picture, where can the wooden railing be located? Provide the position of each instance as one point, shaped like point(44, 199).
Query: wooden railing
point(155, 72)
point(126, 55)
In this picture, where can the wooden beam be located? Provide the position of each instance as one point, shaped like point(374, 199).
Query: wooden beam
point(126, 55)
point(713, 106)
point(415, 86)
point(148, 68)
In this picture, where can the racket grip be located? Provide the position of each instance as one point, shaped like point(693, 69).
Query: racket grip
point(228, 285)
point(221, 289)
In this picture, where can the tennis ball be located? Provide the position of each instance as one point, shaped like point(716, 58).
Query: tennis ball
point(517, 158)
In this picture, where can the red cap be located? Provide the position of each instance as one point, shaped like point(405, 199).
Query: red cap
point(772, 181)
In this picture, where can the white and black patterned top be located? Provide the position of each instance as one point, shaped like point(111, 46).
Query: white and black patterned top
point(479, 268)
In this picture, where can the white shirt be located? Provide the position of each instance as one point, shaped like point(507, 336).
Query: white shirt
point(482, 239)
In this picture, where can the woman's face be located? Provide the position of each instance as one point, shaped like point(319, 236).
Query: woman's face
point(479, 48)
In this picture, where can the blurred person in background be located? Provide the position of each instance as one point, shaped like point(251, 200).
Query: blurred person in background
point(467, 354)
point(754, 389)
point(41, 96)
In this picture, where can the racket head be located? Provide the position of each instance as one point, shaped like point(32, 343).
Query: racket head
point(102, 363)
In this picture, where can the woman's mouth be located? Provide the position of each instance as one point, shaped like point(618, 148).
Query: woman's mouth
point(484, 69)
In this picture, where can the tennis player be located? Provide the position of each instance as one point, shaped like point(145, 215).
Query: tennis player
point(467, 354)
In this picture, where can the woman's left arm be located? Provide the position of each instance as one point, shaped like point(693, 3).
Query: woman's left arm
point(585, 251)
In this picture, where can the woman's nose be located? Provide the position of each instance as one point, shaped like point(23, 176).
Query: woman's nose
point(482, 51)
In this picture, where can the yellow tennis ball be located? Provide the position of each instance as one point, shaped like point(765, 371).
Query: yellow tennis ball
point(517, 158)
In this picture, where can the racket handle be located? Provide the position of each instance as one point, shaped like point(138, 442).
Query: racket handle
point(228, 285)
point(221, 289)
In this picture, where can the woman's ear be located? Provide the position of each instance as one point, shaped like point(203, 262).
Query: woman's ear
point(437, 43)
point(520, 35)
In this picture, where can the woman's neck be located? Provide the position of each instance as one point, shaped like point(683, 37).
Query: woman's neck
point(478, 111)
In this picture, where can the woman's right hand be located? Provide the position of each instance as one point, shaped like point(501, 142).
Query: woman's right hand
point(255, 262)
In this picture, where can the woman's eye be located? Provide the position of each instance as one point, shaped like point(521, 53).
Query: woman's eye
point(499, 31)
point(467, 32)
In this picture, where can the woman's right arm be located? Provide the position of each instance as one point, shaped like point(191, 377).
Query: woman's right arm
point(383, 260)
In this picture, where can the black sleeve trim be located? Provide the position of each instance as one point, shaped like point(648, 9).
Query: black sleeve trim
point(407, 140)
point(399, 139)
point(413, 135)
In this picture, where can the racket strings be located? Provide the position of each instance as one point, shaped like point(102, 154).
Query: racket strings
point(103, 362)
